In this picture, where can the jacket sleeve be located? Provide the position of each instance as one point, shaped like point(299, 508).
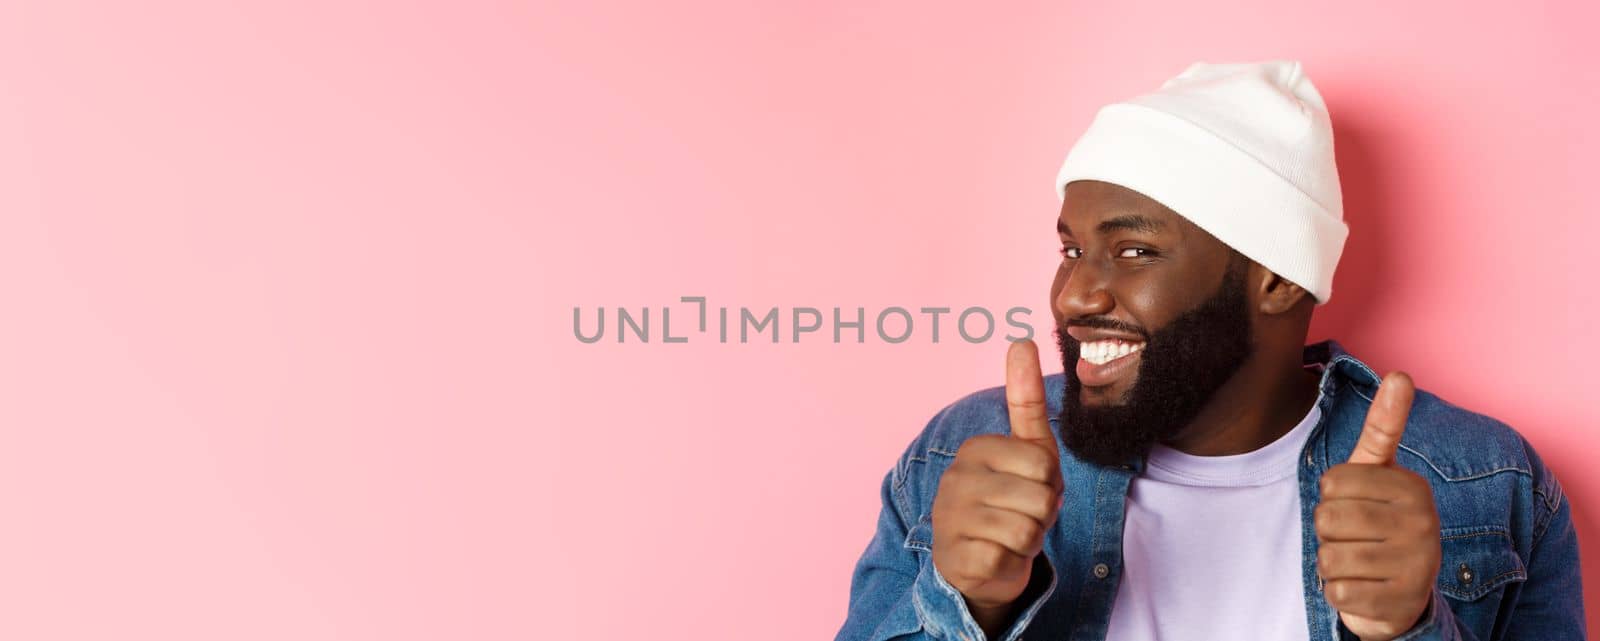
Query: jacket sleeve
point(1551, 604)
point(896, 593)
point(880, 587)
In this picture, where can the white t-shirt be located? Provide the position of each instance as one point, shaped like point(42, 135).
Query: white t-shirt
point(1211, 546)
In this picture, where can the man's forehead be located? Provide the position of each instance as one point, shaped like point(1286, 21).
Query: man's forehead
point(1091, 202)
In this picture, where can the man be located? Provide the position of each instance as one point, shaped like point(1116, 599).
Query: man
point(1198, 472)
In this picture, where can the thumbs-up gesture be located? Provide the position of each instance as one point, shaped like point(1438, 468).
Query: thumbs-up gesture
point(998, 498)
point(1377, 527)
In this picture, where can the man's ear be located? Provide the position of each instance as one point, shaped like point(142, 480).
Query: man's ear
point(1275, 293)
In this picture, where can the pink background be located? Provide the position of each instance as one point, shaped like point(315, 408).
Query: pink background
point(288, 287)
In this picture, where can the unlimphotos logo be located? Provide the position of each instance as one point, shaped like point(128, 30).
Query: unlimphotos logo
point(891, 324)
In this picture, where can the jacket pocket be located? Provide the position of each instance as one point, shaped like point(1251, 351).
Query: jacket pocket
point(1477, 560)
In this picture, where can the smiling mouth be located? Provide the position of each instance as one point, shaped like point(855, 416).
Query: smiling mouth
point(1102, 352)
point(1104, 362)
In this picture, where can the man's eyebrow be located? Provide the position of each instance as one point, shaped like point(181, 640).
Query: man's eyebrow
point(1134, 222)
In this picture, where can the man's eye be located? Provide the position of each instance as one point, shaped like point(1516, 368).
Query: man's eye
point(1136, 252)
point(1071, 252)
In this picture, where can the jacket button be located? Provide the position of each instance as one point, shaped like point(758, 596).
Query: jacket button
point(1100, 570)
point(1464, 574)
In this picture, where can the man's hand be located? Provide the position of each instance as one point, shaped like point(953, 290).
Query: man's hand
point(1377, 527)
point(998, 499)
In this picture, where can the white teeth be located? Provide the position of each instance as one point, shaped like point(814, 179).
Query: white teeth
point(1102, 352)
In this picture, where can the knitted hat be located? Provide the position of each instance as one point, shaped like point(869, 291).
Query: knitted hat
point(1245, 151)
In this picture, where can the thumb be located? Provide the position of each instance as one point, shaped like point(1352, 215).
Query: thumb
point(1386, 421)
point(1030, 418)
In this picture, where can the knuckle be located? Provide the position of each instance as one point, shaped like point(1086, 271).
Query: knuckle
point(1325, 516)
point(1330, 478)
point(963, 563)
point(1037, 465)
point(955, 482)
point(986, 560)
point(1329, 559)
point(1366, 516)
point(958, 563)
point(1052, 502)
point(969, 448)
point(1337, 592)
point(1027, 532)
point(1383, 520)
point(1038, 496)
point(1420, 523)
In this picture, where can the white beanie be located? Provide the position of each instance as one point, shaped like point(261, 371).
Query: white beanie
point(1245, 151)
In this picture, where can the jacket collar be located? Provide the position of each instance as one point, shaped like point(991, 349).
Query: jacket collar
point(1339, 366)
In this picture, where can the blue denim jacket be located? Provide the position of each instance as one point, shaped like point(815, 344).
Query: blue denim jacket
point(1510, 554)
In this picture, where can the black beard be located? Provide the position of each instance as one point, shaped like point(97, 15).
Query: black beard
point(1181, 366)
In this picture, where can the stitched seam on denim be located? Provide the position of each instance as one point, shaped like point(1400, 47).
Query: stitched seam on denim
point(1541, 521)
point(923, 618)
point(1551, 500)
point(915, 542)
point(1086, 585)
point(904, 470)
point(1474, 530)
point(964, 617)
point(1493, 582)
point(912, 542)
point(1441, 473)
point(932, 450)
point(1469, 535)
point(1472, 477)
point(902, 506)
point(1356, 363)
point(1027, 615)
point(902, 509)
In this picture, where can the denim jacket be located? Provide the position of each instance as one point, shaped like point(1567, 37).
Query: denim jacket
point(1510, 554)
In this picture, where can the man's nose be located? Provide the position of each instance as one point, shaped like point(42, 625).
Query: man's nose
point(1085, 292)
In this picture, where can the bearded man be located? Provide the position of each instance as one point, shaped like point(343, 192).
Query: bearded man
point(1198, 471)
